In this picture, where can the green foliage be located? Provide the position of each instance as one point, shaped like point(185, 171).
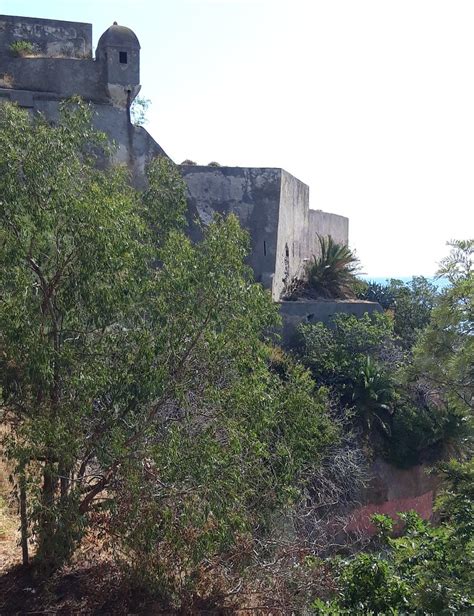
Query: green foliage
point(211, 491)
point(435, 403)
point(336, 354)
point(332, 274)
point(72, 255)
point(138, 111)
point(356, 359)
point(23, 48)
point(360, 360)
point(411, 304)
point(135, 377)
point(369, 586)
point(376, 292)
point(164, 201)
point(444, 355)
point(457, 266)
point(373, 395)
point(417, 427)
point(429, 570)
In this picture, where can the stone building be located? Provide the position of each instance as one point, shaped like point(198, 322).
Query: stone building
point(270, 203)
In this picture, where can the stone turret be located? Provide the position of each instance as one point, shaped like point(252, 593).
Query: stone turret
point(118, 52)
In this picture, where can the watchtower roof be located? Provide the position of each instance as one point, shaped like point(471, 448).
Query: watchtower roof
point(119, 36)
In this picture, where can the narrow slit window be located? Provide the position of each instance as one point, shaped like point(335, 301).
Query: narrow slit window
point(123, 57)
point(264, 249)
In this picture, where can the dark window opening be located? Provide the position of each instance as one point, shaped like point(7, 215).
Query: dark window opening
point(264, 249)
point(123, 57)
point(287, 251)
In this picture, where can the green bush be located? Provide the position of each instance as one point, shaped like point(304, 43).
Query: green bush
point(369, 585)
point(411, 304)
point(23, 48)
point(337, 353)
point(135, 375)
point(376, 292)
point(416, 429)
point(428, 570)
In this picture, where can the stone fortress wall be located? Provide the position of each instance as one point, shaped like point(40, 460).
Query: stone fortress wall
point(270, 203)
point(274, 206)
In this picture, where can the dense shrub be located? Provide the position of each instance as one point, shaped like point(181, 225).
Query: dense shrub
point(429, 570)
point(136, 381)
point(337, 354)
point(410, 302)
point(367, 372)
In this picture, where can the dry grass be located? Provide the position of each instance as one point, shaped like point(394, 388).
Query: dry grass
point(10, 553)
point(6, 80)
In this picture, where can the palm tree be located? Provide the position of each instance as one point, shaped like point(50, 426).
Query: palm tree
point(373, 397)
point(332, 274)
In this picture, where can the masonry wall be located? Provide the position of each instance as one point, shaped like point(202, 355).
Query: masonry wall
point(134, 146)
point(253, 195)
point(312, 311)
point(61, 77)
point(393, 490)
point(324, 223)
point(51, 37)
point(293, 224)
point(270, 203)
point(273, 206)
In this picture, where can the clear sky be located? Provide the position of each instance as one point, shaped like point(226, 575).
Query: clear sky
point(370, 102)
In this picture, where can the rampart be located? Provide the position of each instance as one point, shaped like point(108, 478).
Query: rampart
point(58, 63)
point(273, 206)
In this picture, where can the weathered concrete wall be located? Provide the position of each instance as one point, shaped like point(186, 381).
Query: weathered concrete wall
point(293, 225)
point(135, 147)
point(63, 68)
point(311, 311)
point(253, 195)
point(50, 37)
point(324, 223)
point(61, 77)
point(273, 206)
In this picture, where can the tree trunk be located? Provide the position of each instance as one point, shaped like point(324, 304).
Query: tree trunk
point(23, 517)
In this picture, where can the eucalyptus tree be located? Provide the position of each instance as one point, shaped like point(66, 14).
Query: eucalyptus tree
point(133, 368)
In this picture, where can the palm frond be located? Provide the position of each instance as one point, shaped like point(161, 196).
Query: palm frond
point(332, 274)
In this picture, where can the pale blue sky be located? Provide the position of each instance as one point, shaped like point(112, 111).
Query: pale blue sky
point(370, 102)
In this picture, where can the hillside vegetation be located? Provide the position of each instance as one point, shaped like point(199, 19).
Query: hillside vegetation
point(164, 454)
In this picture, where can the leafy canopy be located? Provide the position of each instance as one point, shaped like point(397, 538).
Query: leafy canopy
point(134, 376)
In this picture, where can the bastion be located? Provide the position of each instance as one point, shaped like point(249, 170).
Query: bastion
point(59, 63)
point(270, 203)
